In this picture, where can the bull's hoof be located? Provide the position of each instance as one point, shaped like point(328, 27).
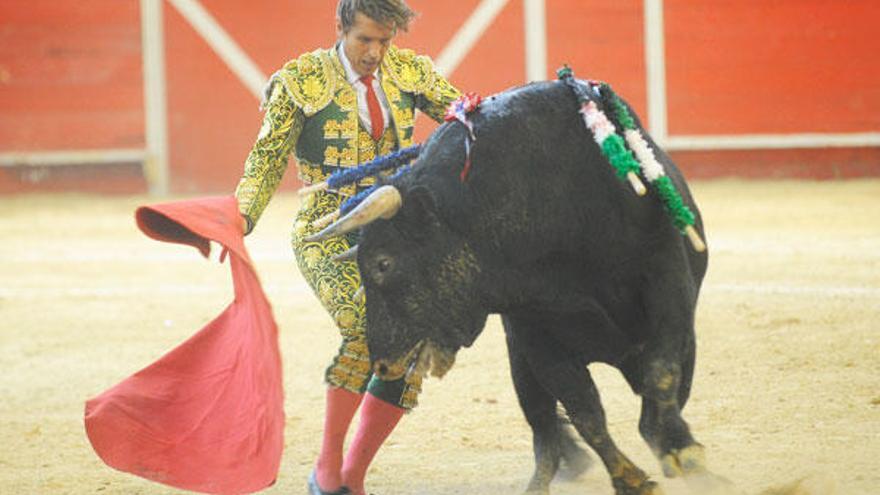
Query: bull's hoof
point(537, 491)
point(646, 488)
point(684, 462)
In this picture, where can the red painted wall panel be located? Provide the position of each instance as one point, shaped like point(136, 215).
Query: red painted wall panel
point(212, 117)
point(70, 75)
point(435, 25)
point(600, 40)
point(775, 66)
point(495, 63)
point(273, 32)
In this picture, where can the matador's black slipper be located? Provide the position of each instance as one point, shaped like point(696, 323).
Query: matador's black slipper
point(315, 489)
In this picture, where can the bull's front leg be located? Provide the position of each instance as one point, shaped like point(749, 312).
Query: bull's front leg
point(550, 439)
point(569, 381)
point(581, 399)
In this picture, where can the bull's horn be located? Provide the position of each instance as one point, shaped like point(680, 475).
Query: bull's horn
point(349, 255)
point(381, 203)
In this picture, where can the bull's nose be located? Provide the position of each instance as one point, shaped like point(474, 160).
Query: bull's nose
point(380, 369)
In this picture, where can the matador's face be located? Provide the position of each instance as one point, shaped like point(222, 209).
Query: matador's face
point(365, 43)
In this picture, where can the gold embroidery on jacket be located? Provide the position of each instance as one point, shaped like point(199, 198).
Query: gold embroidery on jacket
point(335, 156)
point(309, 81)
point(267, 161)
point(333, 129)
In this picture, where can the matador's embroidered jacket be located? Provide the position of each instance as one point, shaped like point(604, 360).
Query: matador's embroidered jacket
point(312, 109)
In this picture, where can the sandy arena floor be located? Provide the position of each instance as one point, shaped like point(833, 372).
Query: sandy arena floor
point(788, 368)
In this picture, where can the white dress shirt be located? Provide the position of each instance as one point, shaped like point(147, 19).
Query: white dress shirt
point(361, 89)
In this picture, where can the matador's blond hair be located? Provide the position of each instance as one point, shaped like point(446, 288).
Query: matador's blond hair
point(394, 13)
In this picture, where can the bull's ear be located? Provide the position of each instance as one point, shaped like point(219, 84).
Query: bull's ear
point(420, 211)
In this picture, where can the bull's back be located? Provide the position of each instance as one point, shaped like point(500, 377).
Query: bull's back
point(549, 167)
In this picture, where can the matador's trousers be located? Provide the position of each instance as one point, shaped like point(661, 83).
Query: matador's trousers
point(335, 283)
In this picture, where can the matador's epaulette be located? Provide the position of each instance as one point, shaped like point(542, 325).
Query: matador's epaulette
point(309, 81)
point(411, 73)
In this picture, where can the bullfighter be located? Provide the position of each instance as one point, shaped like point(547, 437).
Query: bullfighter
point(335, 108)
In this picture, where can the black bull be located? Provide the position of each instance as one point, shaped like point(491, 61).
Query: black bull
point(581, 269)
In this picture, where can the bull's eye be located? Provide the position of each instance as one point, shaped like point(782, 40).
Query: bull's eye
point(381, 268)
point(383, 265)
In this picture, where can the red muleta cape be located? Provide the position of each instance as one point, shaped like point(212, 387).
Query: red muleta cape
point(208, 416)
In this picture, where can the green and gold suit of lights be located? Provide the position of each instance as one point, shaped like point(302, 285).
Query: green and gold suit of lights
point(312, 109)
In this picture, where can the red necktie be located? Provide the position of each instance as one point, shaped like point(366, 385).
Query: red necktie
point(377, 121)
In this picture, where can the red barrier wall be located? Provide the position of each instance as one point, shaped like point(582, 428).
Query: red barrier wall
point(70, 78)
point(70, 75)
point(600, 40)
point(790, 66)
